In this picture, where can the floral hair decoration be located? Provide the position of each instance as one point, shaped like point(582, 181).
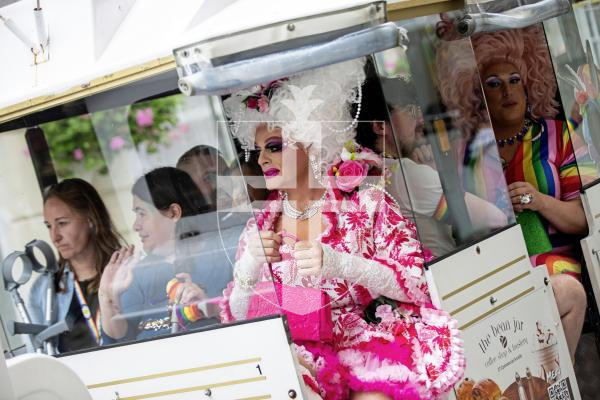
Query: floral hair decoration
point(289, 104)
point(353, 167)
point(259, 97)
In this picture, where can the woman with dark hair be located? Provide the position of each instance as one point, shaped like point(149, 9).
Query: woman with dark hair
point(204, 164)
point(133, 292)
point(82, 231)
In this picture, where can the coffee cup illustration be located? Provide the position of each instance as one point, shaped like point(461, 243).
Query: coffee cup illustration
point(547, 353)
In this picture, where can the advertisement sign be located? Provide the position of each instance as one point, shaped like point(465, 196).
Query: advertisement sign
point(517, 354)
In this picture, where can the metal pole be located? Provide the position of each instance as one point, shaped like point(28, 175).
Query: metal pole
point(22, 310)
point(174, 319)
point(49, 312)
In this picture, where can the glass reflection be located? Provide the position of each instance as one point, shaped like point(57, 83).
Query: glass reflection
point(168, 256)
point(577, 77)
point(446, 171)
point(538, 153)
point(540, 158)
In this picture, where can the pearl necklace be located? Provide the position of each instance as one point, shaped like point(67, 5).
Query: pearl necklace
point(309, 212)
point(517, 136)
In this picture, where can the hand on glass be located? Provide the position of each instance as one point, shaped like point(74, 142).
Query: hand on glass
point(118, 274)
point(264, 246)
point(309, 257)
point(188, 292)
point(525, 197)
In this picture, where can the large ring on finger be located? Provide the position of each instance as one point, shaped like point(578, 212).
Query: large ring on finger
point(526, 198)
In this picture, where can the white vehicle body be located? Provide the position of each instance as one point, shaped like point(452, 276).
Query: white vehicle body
point(96, 46)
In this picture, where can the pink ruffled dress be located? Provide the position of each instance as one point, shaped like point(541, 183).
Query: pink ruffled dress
point(415, 351)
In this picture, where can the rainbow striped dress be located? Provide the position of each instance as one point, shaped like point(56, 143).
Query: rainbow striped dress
point(546, 159)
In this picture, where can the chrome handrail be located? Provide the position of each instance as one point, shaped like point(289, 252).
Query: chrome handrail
point(519, 17)
point(206, 79)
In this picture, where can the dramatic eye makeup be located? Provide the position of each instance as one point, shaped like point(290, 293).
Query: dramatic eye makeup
point(493, 81)
point(274, 145)
point(514, 78)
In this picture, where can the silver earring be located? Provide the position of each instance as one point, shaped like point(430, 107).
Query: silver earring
point(247, 154)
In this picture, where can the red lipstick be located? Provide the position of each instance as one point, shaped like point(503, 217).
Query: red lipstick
point(270, 173)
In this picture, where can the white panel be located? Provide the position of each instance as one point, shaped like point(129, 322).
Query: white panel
point(591, 249)
point(7, 392)
point(149, 31)
point(258, 358)
point(279, 33)
point(499, 301)
point(591, 244)
point(480, 268)
point(591, 205)
point(208, 9)
point(107, 17)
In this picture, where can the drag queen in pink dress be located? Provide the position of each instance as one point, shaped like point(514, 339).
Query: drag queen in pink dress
point(329, 241)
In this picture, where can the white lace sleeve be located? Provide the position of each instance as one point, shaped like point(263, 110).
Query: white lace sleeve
point(246, 273)
point(377, 278)
point(238, 302)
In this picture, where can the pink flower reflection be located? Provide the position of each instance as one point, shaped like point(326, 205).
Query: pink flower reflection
point(174, 135)
point(144, 118)
point(78, 154)
point(184, 127)
point(116, 143)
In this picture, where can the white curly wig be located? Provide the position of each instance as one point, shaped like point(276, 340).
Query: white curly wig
point(329, 123)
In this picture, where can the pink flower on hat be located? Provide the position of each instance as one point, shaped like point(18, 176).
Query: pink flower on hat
point(263, 104)
point(144, 118)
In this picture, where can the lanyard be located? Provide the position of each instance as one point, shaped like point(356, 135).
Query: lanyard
point(87, 313)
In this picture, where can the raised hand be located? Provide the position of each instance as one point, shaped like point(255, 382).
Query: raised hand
point(118, 274)
point(422, 155)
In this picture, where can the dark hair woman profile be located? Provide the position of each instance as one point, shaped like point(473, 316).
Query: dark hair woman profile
point(82, 231)
point(133, 291)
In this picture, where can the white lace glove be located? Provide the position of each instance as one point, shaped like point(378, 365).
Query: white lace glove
point(377, 278)
point(261, 247)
